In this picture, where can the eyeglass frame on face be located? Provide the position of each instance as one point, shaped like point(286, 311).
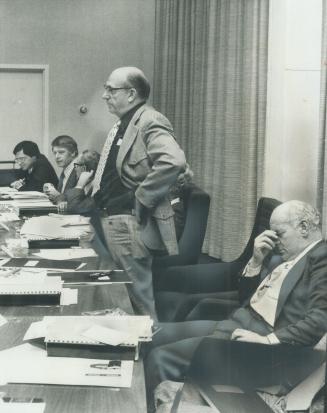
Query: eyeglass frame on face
point(21, 159)
point(81, 165)
point(109, 90)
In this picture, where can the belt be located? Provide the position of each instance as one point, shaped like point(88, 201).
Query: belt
point(105, 212)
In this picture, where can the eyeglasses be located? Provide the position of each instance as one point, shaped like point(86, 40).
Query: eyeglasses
point(110, 89)
point(82, 165)
point(20, 159)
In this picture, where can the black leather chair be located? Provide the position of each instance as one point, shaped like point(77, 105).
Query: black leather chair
point(196, 204)
point(200, 283)
point(7, 174)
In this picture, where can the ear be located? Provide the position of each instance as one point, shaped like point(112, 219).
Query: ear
point(132, 95)
point(304, 228)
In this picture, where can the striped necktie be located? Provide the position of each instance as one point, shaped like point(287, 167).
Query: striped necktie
point(61, 181)
point(104, 157)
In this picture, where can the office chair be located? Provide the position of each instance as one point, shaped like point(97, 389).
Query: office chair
point(198, 287)
point(9, 174)
point(196, 204)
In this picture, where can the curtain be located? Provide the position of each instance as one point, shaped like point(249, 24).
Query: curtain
point(322, 166)
point(210, 81)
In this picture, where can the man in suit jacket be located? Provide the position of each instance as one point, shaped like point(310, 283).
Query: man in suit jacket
point(288, 309)
point(65, 151)
point(140, 162)
point(35, 169)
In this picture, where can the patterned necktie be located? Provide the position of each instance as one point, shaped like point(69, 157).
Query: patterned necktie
point(61, 181)
point(103, 157)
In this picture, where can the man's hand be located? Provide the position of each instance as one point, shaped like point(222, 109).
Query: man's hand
point(84, 178)
point(240, 334)
point(17, 184)
point(52, 193)
point(263, 244)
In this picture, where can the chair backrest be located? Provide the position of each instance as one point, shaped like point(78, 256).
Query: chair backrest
point(7, 174)
point(197, 203)
point(261, 223)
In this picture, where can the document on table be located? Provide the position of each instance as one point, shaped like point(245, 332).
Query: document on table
point(29, 364)
point(19, 407)
point(51, 227)
point(3, 321)
point(69, 296)
point(65, 253)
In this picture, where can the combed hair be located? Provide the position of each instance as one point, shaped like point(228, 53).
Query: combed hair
point(139, 82)
point(28, 147)
point(303, 211)
point(91, 159)
point(66, 142)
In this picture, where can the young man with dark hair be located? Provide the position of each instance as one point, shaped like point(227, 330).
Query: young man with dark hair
point(35, 169)
point(65, 151)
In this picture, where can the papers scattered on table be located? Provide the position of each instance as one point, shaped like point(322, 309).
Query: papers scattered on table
point(8, 217)
point(65, 253)
point(72, 329)
point(68, 296)
point(3, 321)
point(29, 364)
point(62, 265)
point(52, 227)
point(109, 336)
point(20, 406)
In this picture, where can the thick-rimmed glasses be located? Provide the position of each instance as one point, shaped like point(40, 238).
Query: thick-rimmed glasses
point(110, 90)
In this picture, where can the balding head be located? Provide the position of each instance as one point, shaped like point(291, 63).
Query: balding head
point(297, 211)
point(297, 225)
point(125, 88)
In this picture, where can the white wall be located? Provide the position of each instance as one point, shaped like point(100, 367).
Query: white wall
point(293, 99)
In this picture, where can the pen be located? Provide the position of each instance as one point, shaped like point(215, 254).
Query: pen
point(4, 226)
point(102, 374)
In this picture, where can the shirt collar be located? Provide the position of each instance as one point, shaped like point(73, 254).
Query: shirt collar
point(126, 118)
point(69, 168)
point(304, 252)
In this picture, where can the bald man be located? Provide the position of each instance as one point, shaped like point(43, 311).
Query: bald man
point(267, 341)
point(140, 162)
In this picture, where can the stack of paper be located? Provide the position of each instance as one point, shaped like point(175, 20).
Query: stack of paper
point(52, 227)
point(29, 364)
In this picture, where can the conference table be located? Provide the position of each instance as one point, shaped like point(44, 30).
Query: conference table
point(75, 399)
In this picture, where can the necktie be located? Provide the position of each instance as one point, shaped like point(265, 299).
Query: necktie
point(61, 181)
point(103, 157)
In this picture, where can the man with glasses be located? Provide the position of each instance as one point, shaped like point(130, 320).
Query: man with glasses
point(34, 168)
point(140, 161)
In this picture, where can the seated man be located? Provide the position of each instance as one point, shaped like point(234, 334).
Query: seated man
point(64, 149)
point(288, 306)
point(35, 169)
point(78, 200)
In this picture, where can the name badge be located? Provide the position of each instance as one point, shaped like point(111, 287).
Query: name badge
point(174, 201)
point(119, 142)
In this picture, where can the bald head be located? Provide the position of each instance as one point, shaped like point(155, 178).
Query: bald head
point(125, 88)
point(134, 77)
point(297, 225)
point(295, 212)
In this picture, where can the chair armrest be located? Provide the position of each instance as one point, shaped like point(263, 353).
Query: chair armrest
point(199, 278)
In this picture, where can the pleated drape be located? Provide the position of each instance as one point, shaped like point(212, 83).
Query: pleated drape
point(210, 81)
point(322, 166)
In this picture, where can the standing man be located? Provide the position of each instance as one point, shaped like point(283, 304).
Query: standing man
point(35, 169)
point(139, 163)
point(65, 151)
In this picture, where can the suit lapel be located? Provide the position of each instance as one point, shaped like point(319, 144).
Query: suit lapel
point(293, 277)
point(129, 138)
point(288, 285)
